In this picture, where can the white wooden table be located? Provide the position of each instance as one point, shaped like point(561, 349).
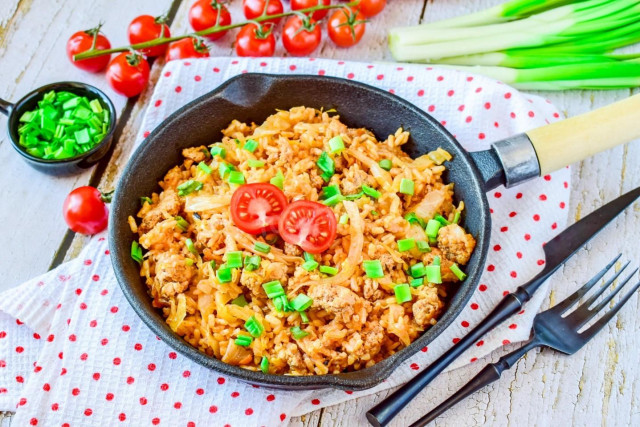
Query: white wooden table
point(598, 385)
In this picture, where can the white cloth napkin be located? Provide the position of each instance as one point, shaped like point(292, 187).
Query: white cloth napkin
point(73, 353)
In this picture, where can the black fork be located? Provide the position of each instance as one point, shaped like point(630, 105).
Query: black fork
point(551, 329)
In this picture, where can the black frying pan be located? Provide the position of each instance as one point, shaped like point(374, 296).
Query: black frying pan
point(253, 97)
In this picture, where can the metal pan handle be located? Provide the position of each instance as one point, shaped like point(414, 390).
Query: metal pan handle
point(5, 107)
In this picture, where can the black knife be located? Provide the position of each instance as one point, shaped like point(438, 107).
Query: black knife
point(557, 252)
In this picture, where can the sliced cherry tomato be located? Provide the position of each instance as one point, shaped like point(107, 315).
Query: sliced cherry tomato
point(254, 40)
point(145, 28)
point(305, 4)
point(187, 48)
point(371, 8)
point(83, 41)
point(256, 208)
point(310, 225)
point(128, 74)
point(301, 37)
point(205, 14)
point(84, 210)
point(255, 8)
point(346, 27)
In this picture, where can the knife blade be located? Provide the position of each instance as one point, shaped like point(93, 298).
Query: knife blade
point(557, 251)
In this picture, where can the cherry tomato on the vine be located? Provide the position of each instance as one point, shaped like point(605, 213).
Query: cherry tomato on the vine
point(305, 4)
point(83, 41)
point(371, 8)
point(128, 74)
point(84, 210)
point(205, 14)
point(145, 28)
point(189, 47)
point(255, 8)
point(346, 27)
point(254, 40)
point(301, 37)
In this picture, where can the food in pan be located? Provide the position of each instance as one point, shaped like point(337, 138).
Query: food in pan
point(301, 246)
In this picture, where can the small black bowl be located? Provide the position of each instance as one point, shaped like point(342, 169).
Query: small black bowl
point(62, 166)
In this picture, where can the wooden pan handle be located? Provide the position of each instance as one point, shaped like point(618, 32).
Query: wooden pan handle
point(572, 140)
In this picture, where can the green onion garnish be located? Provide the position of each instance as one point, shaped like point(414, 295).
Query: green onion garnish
point(254, 327)
point(251, 145)
point(355, 196)
point(190, 246)
point(326, 165)
point(264, 365)
point(407, 186)
point(304, 317)
point(278, 180)
point(298, 333)
point(205, 168)
point(255, 163)
point(442, 220)
point(456, 217)
point(415, 283)
point(403, 293)
point(145, 199)
point(371, 192)
point(433, 274)
point(412, 218)
point(333, 200)
point(240, 301)
point(281, 303)
point(252, 263)
point(212, 263)
point(436, 260)
point(189, 187)
point(336, 144)
point(181, 223)
point(243, 340)
point(301, 302)
point(225, 169)
point(374, 213)
point(329, 191)
point(344, 218)
point(136, 252)
point(308, 257)
point(417, 270)
point(432, 229)
point(236, 177)
point(331, 271)
point(224, 274)
point(373, 269)
point(218, 151)
point(423, 246)
point(459, 273)
point(234, 259)
point(385, 164)
point(406, 244)
point(273, 289)
point(262, 247)
point(310, 265)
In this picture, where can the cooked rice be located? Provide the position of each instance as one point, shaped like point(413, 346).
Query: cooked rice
point(354, 321)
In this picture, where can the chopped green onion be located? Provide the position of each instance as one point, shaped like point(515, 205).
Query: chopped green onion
point(331, 271)
point(432, 230)
point(423, 246)
point(252, 263)
point(254, 327)
point(224, 274)
point(308, 257)
point(189, 262)
point(301, 302)
point(264, 365)
point(333, 200)
point(407, 186)
point(355, 196)
point(371, 192)
point(236, 177)
point(403, 293)
point(385, 164)
point(336, 144)
point(304, 317)
point(189, 187)
point(273, 289)
point(326, 165)
point(234, 259)
point(310, 265)
point(218, 151)
point(281, 303)
point(374, 213)
point(240, 301)
point(298, 333)
point(255, 163)
point(212, 263)
point(136, 252)
point(456, 217)
point(433, 274)
point(459, 273)
point(190, 246)
point(251, 145)
point(344, 218)
point(225, 169)
point(330, 191)
point(373, 268)
point(244, 340)
point(415, 283)
point(95, 105)
point(205, 168)
point(278, 180)
point(181, 223)
point(417, 270)
point(406, 244)
point(262, 247)
point(436, 260)
point(82, 136)
point(442, 220)
point(145, 199)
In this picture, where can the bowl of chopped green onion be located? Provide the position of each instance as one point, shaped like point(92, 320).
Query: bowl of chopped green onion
point(61, 128)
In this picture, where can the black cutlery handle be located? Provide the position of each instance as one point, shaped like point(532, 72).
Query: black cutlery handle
point(490, 373)
point(382, 413)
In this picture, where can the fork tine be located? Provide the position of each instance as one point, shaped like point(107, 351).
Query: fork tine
point(596, 327)
point(608, 298)
point(604, 287)
point(568, 302)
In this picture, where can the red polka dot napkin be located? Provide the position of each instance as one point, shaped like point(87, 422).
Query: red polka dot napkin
point(73, 353)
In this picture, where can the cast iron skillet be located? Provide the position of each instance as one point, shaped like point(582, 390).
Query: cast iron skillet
point(253, 97)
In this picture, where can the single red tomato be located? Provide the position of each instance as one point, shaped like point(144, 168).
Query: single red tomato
point(255, 8)
point(371, 8)
point(254, 40)
point(145, 28)
point(301, 37)
point(346, 27)
point(84, 210)
point(305, 4)
point(310, 225)
point(205, 14)
point(256, 208)
point(83, 41)
point(128, 74)
point(187, 48)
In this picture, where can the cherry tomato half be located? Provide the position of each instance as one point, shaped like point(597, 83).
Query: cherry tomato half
point(205, 14)
point(305, 4)
point(300, 37)
point(128, 74)
point(81, 42)
point(186, 48)
point(255, 41)
point(145, 28)
point(256, 208)
point(310, 225)
point(371, 8)
point(346, 27)
point(85, 211)
point(255, 8)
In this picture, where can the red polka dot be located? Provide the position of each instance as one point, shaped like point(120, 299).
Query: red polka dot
point(130, 380)
point(507, 95)
point(271, 398)
point(519, 255)
point(421, 92)
point(221, 380)
point(513, 274)
point(3, 334)
point(481, 135)
point(440, 78)
point(482, 288)
point(478, 90)
point(527, 236)
point(315, 402)
point(531, 114)
point(63, 371)
point(197, 78)
point(88, 412)
point(292, 67)
point(512, 115)
point(216, 69)
point(491, 267)
point(496, 124)
point(473, 359)
point(505, 293)
point(104, 292)
point(415, 366)
point(461, 108)
point(126, 328)
point(138, 346)
point(213, 409)
point(167, 74)
point(540, 262)
point(536, 217)
point(155, 421)
point(186, 374)
point(380, 76)
point(248, 411)
point(235, 394)
point(178, 89)
point(512, 214)
point(487, 105)
point(470, 78)
point(117, 361)
point(321, 72)
point(468, 119)
point(456, 340)
point(78, 291)
point(173, 355)
point(424, 349)
point(114, 309)
point(504, 229)
point(497, 248)
point(122, 416)
point(83, 306)
point(200, 392)
point(164, 387)
point(104, 341)
point(158, 103)
point(143, 401)
point(36, 335)
point(282, 417)
point(93, 323)
point(543, 197)
point(451, 92)
point(19, 349)
point(54, 407)
point(84, 356)
point(497, 194)
point(3, 364)
point(513, 326)
point(75, 391)
point(431, 108)
point(33, 421)
point(464, 324)
point(410, 78)
point(505, 342)
point(177, 405)
point(96, 376)
point(37, 369)
point(350, 75)
point(480, 343)
point(22, 401)
point(474, 306)
point(107, 252)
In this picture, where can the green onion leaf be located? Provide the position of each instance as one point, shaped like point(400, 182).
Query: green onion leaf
point(145, 199)
point(433, 274)
point(331, 271)
point(224, 274)
point(234, 259)
point(264, 365)
point(188, 262)
point(281, 303)
point(436, 260)
point(218, 150)
point(415, 283)
point(371, 192)
point(236, 177)
point(254, 327)
point(432, 229)
point(304, 317)
point(407, 186)
point(308, 257)
point(190, 246)
point(329, 191)
point(240, 301)
point(252, 263)
point(423, 246)
point(205, 168)
point(385, 164)
point(373, 269)
point(456, 217)
point(251, 145)
point(442, 220)
point(136, 252)
point(336, 144)
point(273, 289)
point(326, 165)
point(355, 196)
point(181, 223)
point(225, 169)
point(403, 293)
point(278, 180)
point(459, 273)
point(310, 265)
point(333, 200)
point(412, 218)
point(189, 187)
point(417, 270)
point(406, 245)
point(298, 333)
point(301, 302)
point(243, 340)
point(255, 163)
point(262, 247)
